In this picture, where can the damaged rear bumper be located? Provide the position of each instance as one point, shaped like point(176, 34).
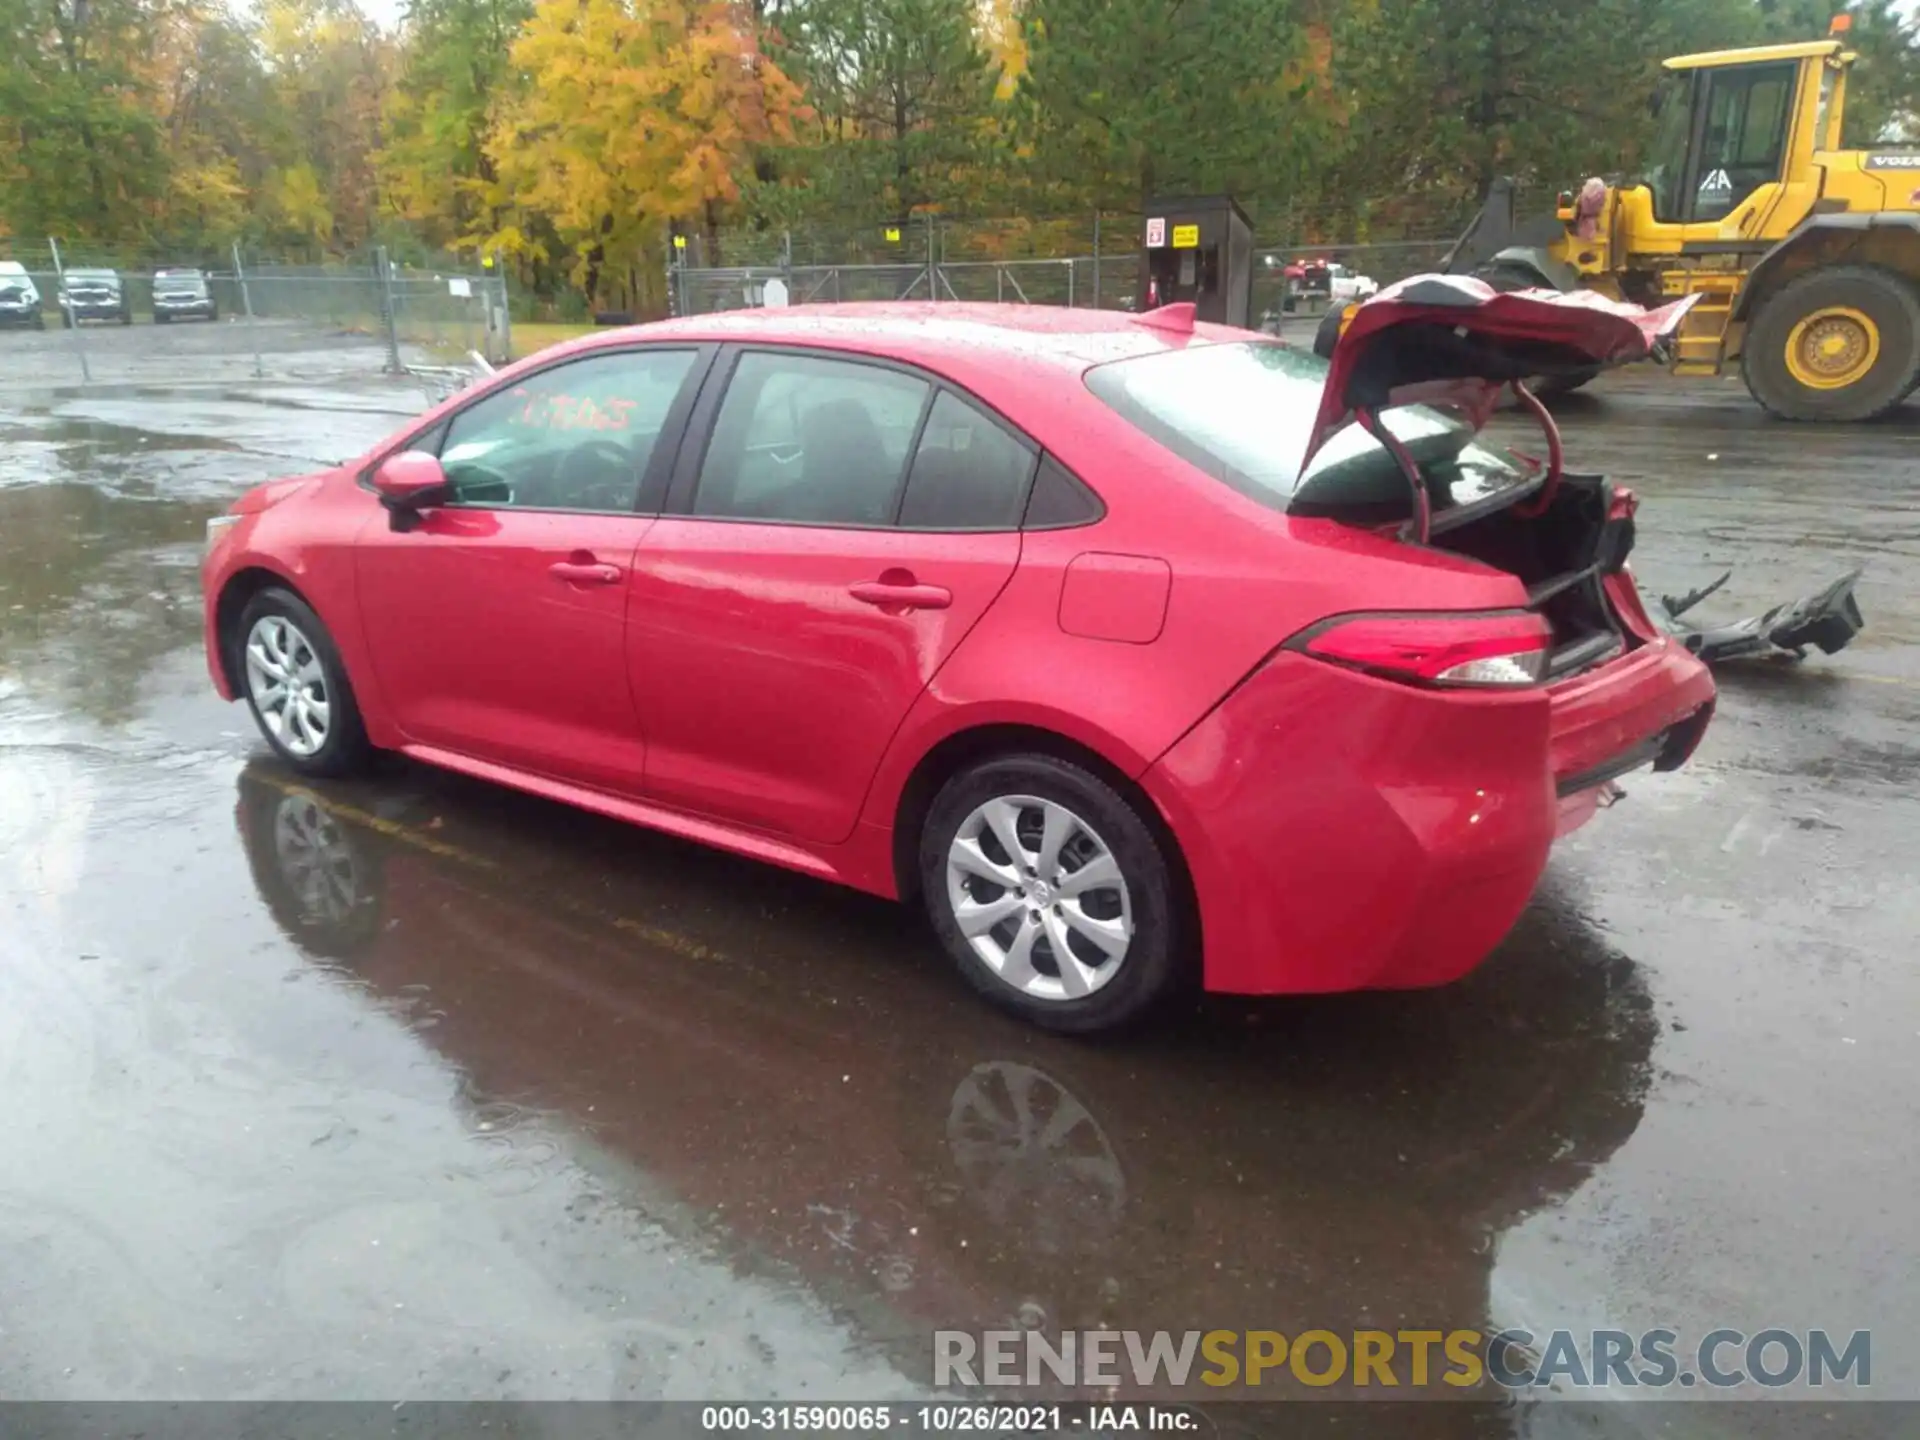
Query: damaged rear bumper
point(1649, 707)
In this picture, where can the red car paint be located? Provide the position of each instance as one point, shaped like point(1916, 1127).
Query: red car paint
point(733, 686)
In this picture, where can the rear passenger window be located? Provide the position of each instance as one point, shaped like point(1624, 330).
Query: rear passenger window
point(969, 473)
point(810, 441)
point(1059, 500)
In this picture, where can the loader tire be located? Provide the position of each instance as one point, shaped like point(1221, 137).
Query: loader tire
point(1328, 334)
point(1838, 344)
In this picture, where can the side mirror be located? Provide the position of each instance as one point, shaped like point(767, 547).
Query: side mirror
point(408, 482)
point(409, 478)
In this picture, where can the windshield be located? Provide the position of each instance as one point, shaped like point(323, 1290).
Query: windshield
point(179, 285)
point(1666, 167)
point(1243, 413)
point(92, 277)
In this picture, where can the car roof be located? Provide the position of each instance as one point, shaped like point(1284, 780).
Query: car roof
point(955, 338)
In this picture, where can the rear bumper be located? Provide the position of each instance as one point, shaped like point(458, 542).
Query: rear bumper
point(1348, 833)
point(1649, 707)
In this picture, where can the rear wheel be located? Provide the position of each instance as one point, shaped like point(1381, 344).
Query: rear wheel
point(1835, 344)
point(296, 686)
point(1052, 894)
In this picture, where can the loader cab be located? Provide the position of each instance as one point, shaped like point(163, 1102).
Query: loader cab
point(1198, 250)
point(1732, 158)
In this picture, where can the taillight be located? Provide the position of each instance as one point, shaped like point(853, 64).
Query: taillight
point(1501, 649)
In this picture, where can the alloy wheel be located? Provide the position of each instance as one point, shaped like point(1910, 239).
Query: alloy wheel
point(1039, 897)
point(288, 685)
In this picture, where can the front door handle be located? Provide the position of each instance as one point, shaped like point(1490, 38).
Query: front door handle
point(901, 596)
point(584, 572)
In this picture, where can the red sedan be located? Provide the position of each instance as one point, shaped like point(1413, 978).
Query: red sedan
point(1144, 654)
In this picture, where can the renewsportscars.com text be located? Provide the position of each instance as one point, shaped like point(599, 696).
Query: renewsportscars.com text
point(1404, 1359)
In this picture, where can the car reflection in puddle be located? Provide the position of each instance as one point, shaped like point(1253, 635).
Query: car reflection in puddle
point(793, 1070)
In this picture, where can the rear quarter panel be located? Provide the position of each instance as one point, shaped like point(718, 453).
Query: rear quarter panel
point(1244, 578)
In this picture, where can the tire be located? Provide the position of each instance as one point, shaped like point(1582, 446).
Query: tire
point(1887, 301)
point(1508, 278)
point(1328, 334)
point(1549, 385)
point(298, 643)
point(158, 318)
point(1099, 824)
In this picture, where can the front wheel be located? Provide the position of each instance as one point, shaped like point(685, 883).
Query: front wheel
point(1052, 894)
point(1841, 344)
point(296, 686)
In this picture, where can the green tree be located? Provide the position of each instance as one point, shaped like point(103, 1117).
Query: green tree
point(77, 118)
point(1126, 99)
point(330, 69)
point(434, 168)
point(903, 92)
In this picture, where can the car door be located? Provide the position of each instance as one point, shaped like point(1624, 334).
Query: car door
point(840, 530)
point(497, 623)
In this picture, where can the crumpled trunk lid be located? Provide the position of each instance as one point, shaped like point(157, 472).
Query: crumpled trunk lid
point(1455, 341)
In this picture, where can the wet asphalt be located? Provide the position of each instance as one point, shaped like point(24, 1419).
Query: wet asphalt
point(416, 1088)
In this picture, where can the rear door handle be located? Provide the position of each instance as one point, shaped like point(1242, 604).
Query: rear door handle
point(584, 572)
point(901, 597)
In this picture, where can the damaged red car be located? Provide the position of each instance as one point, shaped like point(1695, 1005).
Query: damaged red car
point(1143, 654)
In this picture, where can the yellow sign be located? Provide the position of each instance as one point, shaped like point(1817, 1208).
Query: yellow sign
point(891, 234)
point(1186, 237)
point(679, 242)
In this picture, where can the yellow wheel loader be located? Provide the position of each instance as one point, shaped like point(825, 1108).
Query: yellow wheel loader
point(1806, 256)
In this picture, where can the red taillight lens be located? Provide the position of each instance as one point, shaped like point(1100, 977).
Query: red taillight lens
point(1503, 649)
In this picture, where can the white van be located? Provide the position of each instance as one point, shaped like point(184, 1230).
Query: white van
point(19, 297)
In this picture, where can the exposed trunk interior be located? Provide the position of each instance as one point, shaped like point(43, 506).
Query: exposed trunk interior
point(1562, 556)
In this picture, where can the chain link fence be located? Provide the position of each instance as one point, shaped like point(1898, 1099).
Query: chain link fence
point(1092, 261)
point(68, 314)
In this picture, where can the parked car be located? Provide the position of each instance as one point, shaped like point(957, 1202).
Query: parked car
point(182, 294)
point(94, 295)
point(1103, 636)
point(1346, 285)
point(19, 297)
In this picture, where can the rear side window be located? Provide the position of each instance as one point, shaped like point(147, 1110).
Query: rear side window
point(810, 441)
point(968, 472)
point(1243, 413)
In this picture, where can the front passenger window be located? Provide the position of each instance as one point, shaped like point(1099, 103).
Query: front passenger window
point(576, 437)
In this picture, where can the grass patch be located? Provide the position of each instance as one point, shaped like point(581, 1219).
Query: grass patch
point(532, 336)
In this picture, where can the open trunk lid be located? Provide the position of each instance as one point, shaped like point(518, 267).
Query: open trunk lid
point(1454, 344)
point(1456, 341)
